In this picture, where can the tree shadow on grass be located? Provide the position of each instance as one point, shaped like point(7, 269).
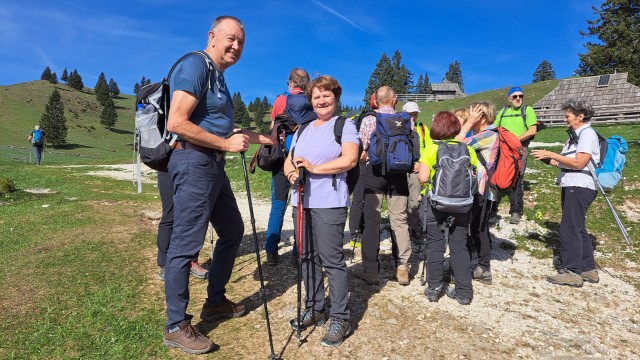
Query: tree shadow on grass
point(71, 147)
point(120, 131)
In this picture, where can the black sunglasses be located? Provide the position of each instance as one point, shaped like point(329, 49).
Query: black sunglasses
point(517, 97)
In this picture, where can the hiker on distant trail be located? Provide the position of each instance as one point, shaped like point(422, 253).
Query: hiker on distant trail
point(485, 142)
point(38, 141)
point(165, 229)
point(201, 116)
point(325, 203)
point(578, 192)
point(413, 202)
point(511, 118)
point(296, 100)
point(356, 218)
point(441, 224)
point(377, 186)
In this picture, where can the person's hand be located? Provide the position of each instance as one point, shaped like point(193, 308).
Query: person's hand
point(237, 143)
point(299, 162)
point(292, 177)
point(475, 114)
point(416, 168)
point(541, 154)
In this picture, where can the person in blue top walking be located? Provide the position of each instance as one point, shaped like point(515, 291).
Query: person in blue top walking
point(38, 141)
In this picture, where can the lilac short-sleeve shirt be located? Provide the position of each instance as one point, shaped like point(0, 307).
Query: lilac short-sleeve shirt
point(317, 144)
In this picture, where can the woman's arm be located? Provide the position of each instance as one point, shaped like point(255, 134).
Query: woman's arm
point(578, 163)
point(344, 162)
point(423, 173)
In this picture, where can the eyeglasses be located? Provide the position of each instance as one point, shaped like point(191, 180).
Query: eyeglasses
point(517, 97)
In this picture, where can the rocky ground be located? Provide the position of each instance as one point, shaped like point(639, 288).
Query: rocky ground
point(520, 315)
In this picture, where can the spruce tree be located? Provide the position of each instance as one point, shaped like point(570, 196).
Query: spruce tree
point(543, 72)
point(381, 75)
point(102, 89)
point(454, 74)
point(423, 86)
point(75, 80)
point(617, 30)
point(113, 88)
point(53, 78)
point(46, 74)
point(109, 117)
point(136, 88)
point(265, 103)
point(241, 116)
point(53, 121)
point(65, 75)
point(402, 78)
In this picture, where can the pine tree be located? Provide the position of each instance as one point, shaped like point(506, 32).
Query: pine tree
point(53, 121)
point(265, 103)
point(454, 74)
point(75, 80)
point(46, 74)
point(136, 88)
point(241, 116)
point(113, 88)
point(65, 75)
point(402, 77)
point(54, 78)
point(102, 89)
point(543, 72)
point(423, 86)
point(258, 117)
point(617, 30)
point(381, 75)
point(109, 117)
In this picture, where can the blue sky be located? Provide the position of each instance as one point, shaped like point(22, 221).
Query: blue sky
point(498, 43)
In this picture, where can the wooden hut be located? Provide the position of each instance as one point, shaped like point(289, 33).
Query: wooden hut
point(613, 98)
point(446, 90)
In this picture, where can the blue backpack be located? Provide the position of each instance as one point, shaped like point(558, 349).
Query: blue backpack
point(612, 161)
point(392, 148)
point(37, 137)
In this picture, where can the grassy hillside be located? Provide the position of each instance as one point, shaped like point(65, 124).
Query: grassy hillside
point(533, 93)
point(87, 141)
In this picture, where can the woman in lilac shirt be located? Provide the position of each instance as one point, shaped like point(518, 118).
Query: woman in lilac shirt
point(325, 203)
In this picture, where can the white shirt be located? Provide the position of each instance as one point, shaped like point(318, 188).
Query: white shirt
point(587, 143)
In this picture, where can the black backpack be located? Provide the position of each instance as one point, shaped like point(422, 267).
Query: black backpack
point(271, 157)
point(152, 142)
point(352, 174)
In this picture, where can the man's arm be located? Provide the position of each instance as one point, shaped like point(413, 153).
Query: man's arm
point(182, 105)
point(533, 129)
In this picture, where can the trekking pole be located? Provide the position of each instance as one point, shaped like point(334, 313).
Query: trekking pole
point(30, 151)
point(613, 211)
point(255, 240)
point(300, 232)
point(211, 242)
point(353, 249)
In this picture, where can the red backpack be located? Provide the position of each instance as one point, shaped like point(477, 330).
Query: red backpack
point(509, 162)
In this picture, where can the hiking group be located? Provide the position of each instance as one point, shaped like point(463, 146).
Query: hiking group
point(441, 185)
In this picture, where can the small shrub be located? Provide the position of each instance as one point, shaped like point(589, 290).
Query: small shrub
point(6, 186)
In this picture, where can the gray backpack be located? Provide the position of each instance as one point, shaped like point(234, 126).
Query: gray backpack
point(454, 182)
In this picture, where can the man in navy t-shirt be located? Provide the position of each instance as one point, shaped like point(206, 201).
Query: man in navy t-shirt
point(201, 116)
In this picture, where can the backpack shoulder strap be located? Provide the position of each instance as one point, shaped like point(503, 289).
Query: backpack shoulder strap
point(338, 127)
point(504, 109)
point(523, 114)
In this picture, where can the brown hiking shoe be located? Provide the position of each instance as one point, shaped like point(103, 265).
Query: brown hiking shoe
point(590, 276)
point(566, 277)
point(226, 309)
point(308, 318)
point(187, 339)
point(402, 274)
point(482, 275)
point(369, 278)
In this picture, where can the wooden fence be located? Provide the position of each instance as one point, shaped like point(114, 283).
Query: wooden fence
point(426, 97)
point(604, 114)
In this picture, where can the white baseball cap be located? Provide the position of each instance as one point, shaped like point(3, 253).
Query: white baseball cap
point(410, 107)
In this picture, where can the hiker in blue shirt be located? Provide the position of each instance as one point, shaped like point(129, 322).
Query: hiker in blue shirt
point(38, 141)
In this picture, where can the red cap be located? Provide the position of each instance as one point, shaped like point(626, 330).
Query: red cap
point(372, 101)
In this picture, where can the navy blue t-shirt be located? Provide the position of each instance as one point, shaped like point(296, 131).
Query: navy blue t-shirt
point(214, 112)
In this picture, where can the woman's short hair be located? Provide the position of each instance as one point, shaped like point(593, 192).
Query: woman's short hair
point(462, 114)
point(445, 125)
point(488, 110)
point(579, 106)
point(325, 82)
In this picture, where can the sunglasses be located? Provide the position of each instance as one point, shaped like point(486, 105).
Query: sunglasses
point(517, 97)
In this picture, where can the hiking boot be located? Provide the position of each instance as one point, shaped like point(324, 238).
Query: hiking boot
point(482, 275)
point(160, 273)
point(590, 276)
point(336, 332)
point(187, 339)
point(308, 318)
point(451, 292)
point(198, 271)
point(494, 219)
point(226, 309)
point(402, 274)
point(369, 278)
point(433, 294)
point(515, 219)
point(272, 259)
point(566, 277)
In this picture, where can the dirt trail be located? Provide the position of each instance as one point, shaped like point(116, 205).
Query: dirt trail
point(520, 316)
